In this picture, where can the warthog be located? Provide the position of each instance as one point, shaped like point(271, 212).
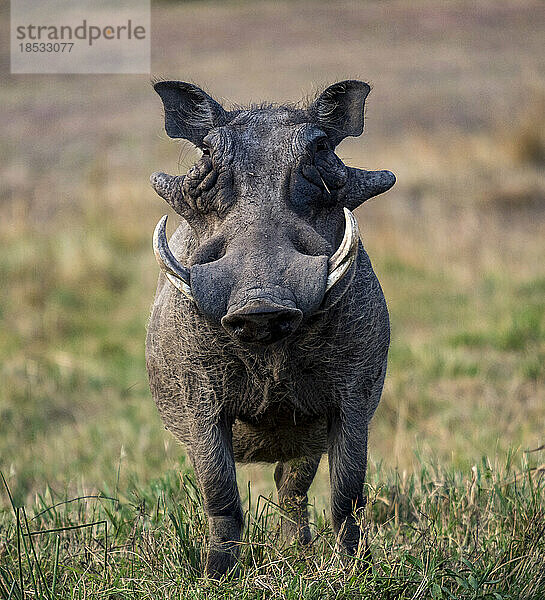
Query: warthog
point(269, 333)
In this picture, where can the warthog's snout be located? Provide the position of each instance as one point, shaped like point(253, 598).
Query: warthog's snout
point(262, 322)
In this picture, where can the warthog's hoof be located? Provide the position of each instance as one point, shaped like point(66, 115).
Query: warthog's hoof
point(361, 560)
point(352, 546)
point(295, 532)
point(223, 549)
point(220, 563)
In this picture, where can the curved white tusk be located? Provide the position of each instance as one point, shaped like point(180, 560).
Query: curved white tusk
point(175, 272)
point(346, 253)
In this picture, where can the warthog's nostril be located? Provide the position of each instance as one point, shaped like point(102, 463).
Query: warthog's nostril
point(262, 323)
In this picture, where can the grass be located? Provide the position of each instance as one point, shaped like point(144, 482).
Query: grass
point(433, 534)
point(457, 113)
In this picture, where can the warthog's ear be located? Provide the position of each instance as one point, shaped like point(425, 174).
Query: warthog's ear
point(338, 110)
point(190, 113)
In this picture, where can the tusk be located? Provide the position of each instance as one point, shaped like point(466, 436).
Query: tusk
point(175, 272)
point(346, 253)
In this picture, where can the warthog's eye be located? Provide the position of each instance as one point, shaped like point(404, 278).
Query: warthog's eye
point(208, 188)
point(322, 145)
point(308, 188)
point(332, 169)
point(318, 177)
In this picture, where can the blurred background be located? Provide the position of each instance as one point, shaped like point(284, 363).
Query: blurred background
point(457, 112)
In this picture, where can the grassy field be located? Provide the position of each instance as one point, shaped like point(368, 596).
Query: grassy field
point(434, 534)
point(456, 479)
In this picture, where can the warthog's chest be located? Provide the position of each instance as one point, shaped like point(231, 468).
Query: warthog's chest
point(279, 418)
point(280, 432)
point(288, 395)
point(276, 414)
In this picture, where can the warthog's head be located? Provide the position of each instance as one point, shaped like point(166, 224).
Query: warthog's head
point(269, 205)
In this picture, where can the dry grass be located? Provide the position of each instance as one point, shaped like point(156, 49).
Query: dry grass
point(456, 112)
point(433, 534)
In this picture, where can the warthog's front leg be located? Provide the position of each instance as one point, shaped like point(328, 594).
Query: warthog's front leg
point(347, 464)
point(214, 464)
point(293, 478)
